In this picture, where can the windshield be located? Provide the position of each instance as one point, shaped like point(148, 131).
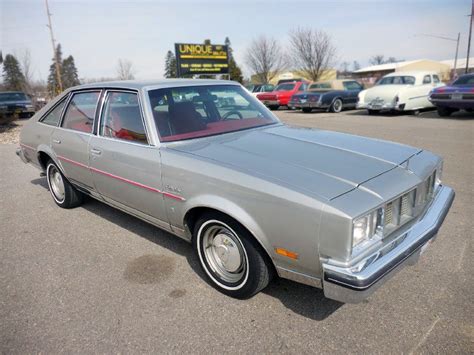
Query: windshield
point(200, 111)
point(13, 96)
point(285, 87)
point(320, 86)
point(397, 80)
point(465, 80)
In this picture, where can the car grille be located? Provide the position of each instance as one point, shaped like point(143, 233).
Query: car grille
point(404, 208)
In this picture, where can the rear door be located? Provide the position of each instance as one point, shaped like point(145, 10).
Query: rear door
point(70, 140)
point(126, 169)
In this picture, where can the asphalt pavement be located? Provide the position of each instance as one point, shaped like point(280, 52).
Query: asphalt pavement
point(95, 280)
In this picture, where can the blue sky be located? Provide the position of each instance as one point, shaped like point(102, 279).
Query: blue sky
point(99, 32)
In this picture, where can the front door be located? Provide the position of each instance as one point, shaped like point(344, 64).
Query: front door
point(125, 168)
point(70, 140)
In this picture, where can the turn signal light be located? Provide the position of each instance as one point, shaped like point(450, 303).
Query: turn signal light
point(287, 253)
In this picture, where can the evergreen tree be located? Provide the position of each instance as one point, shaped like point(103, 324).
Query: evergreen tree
point(1, 57)
point(13, 78)
point(170, 65)
point(69, 73)
point(234, 70)
point(53, 84)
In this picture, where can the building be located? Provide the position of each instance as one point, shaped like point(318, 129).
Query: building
point(460, 65)
point(370, 75)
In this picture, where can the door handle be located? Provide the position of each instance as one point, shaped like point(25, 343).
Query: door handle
point(56, 141)
point(96, 151)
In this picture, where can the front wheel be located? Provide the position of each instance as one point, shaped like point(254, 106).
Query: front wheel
point(63, 193)
point(232, 260)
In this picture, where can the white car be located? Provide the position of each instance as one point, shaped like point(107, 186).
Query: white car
point(400, 91)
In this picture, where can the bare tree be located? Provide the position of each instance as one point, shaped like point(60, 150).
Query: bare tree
point(125, 70)
point(24, 57)
point(265, 58)
point(377, 59)
point(313, 52)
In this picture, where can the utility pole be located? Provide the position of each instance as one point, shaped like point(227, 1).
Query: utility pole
point(455, 74)
point(56, 59)
point(469, 40)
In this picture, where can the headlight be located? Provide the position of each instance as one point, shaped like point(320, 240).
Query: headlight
point(364, 228)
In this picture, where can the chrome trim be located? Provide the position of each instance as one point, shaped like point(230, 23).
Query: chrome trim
point(298, 277)
point(354, 283)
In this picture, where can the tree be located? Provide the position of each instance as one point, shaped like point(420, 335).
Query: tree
point(170, 65)
point(235, 72)
point(25, 64)
point(125, 70)
point(377, 59)
point(1, 57)
point(69, 74)
point(265, 58)
point(355, 65)
point(13, 78)
point(53, 85)
point(313, 52)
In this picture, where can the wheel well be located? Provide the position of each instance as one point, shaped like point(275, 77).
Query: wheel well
point(192, 216)
point(43, 159)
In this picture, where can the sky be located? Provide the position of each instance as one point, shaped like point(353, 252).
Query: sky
point(99, 32)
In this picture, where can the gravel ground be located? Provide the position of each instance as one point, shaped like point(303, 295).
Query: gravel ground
point(95, 280)
point(10, 133)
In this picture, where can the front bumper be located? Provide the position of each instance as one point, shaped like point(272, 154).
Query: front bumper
point(353, 284)
point(271, 102)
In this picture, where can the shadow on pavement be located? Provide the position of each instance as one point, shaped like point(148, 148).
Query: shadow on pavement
point(301, 299)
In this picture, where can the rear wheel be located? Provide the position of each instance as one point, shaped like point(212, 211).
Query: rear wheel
point(273, 107)
point(444, 111)
point(336, 106)
point(232, 260)
point(63, 193)
point(307, 109)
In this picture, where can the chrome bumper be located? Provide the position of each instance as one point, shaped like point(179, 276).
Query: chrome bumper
point(377, 107)
point(355, 283)
point(270, 102)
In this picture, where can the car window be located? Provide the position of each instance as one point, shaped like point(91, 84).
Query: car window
point(302, 87)
point(53, 117)
point(427, 79)
point(436, 79)
point(397, 80)
point(80, 112)
point(351, 85)
point(200, 111)
point(320, 86)
point(285, 87)
point(465, 80)
point(122, 119)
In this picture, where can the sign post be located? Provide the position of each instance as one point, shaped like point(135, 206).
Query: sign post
point(195, 59)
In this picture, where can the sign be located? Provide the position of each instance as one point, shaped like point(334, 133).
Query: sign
point(201, 59)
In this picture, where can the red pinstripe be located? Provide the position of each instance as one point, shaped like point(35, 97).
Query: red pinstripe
point(131, 182)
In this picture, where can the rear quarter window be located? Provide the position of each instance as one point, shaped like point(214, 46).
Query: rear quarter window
point(54, 116)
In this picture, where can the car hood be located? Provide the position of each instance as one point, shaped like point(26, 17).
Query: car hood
point(320, 163)
point(385, 92)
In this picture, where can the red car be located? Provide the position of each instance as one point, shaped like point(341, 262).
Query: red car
point(282, 94)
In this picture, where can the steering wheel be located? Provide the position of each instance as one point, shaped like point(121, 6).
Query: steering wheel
point(226, 116)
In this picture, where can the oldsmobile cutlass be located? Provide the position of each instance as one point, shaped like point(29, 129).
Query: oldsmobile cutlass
point(207, 162)
point(457, 96)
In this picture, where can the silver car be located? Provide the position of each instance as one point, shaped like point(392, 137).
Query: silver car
point(206, 161)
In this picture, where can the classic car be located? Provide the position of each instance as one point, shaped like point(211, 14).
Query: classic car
point(457, 96)
point(255, 197)
point(281, 95)
point(15, 104)
point(334, 96)
point(400, 91)
point(259, 88)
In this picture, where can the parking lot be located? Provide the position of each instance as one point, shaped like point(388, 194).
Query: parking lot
point(95, 280)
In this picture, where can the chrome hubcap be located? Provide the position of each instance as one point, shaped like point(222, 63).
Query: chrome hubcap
point(223, 253)
point(56, 182)
point(337, 105)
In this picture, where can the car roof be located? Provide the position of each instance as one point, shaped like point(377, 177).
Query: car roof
point(153, 84)
point(416, 73)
